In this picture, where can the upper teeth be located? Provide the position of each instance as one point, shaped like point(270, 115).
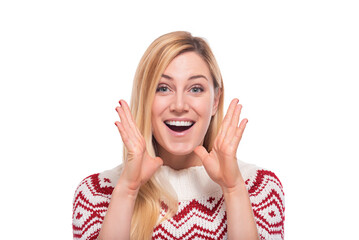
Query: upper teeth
point(179, 123)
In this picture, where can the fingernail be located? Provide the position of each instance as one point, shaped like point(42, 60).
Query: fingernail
point(115, 124)
point(119, 102)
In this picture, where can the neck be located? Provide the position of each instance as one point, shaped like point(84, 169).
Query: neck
point(179, 162)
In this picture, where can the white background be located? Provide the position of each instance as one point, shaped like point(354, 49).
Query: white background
point(64, 65)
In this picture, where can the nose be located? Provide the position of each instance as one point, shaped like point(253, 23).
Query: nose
point(179, 103)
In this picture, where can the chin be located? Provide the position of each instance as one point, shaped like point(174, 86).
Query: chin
point(180, 150)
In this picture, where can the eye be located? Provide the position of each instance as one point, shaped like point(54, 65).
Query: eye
point(162, 88)
point(197, 89)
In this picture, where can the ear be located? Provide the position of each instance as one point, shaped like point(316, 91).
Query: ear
point(216, 101)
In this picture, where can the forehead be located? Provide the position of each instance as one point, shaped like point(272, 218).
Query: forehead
point(186, 65)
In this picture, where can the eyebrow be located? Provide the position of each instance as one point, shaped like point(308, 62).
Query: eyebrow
point(191, 78)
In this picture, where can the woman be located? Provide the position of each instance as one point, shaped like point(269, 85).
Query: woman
point(180, 178)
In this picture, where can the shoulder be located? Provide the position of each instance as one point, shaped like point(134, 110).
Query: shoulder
point(267, 198)
point(258, 179)
point(99, 184)
point(90, 202)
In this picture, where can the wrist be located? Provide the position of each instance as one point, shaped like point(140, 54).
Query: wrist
point(236, 190)
point(124, 191)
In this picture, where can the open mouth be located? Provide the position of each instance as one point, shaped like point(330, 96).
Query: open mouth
point(179, 126)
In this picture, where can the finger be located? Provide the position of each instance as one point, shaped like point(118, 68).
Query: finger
point(239, 133)
point(201, 152)
point(226, 121)
point(231, 131)
point(133, 131)
point(236, 115)
point(153, 164)
point(156, 163)
point(159, 161)
point(129, 117)
point(124, 120)
point(228, 118)
point(124, 136)
point(210, 164)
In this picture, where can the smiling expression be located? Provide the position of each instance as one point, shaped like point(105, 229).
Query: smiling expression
point(183, 105)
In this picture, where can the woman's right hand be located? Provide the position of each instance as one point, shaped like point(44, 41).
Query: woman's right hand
point(140, 166)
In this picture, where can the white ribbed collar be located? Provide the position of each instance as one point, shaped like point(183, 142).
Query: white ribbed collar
point(188, 183)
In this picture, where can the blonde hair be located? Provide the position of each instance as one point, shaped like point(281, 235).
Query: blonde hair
point(152, 65)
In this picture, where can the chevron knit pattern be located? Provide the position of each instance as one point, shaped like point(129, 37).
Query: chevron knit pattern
point(199, 216)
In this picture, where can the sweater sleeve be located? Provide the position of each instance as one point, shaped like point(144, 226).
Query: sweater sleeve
point(267, 198)
point(90, 204)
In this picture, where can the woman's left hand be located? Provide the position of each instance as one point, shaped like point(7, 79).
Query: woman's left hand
point(221, 163)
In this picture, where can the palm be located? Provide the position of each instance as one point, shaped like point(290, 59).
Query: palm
point(221, 162)
point(140, 166)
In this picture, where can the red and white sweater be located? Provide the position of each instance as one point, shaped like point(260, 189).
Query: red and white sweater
point(201, 211)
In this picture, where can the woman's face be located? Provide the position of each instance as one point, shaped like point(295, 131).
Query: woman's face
point(183, 105)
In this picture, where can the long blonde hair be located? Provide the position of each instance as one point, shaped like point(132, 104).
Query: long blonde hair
point(152, 65)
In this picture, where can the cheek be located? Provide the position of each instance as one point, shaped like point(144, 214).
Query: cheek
point(203, 107)
point(157, 108)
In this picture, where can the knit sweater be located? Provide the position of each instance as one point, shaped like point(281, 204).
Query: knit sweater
point(201, 211)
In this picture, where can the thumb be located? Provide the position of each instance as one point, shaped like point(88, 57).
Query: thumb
point(201, 152)
point(158, 161)
point(151, 165)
